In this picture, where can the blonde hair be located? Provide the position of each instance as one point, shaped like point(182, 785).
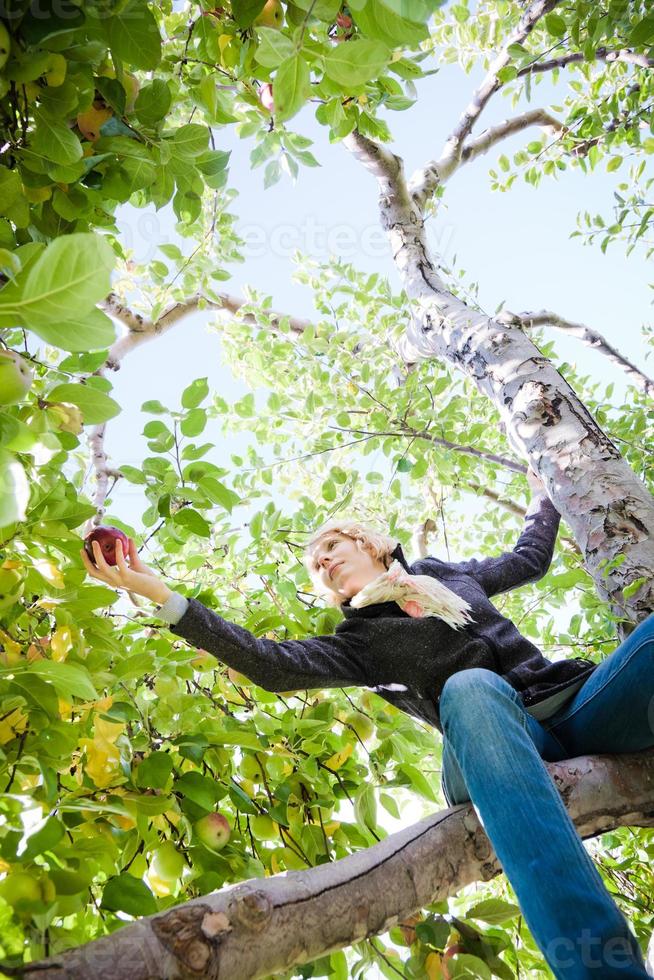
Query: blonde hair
point(378, 545)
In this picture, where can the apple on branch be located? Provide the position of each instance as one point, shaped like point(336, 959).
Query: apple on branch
point(272, 15)
point(106, 536)
point(16, 377)
point(213, 831)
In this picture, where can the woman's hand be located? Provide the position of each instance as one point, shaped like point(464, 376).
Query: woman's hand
point(135, 577)
point(536, 484)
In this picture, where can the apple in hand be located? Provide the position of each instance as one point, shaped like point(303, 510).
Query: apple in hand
point(106, 536)
point(213, 831)
point(15, 377)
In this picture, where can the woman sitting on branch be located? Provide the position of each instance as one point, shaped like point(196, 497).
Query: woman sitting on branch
point(427, 639)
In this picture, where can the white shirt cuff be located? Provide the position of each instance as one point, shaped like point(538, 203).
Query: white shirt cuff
point(173, 608)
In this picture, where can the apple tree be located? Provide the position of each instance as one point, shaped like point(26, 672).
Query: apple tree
point(244, 832)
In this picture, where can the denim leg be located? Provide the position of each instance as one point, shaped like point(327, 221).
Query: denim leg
point(499, 750)
point(613, 711)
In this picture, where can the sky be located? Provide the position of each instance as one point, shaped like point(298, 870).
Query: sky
point(515, 245)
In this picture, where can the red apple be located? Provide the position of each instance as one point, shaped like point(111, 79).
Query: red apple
point(213, 831)
point(106, 536)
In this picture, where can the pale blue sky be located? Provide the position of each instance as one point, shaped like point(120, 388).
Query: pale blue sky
point(516, 245)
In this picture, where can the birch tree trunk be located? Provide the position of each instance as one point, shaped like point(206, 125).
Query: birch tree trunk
point(265, 926)
point(608, 509)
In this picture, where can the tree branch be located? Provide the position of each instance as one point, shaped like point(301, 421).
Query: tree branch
point(486, 140)
point(426, 180)
point(265, 926)
point(592, 338)
point(601, 54)
point(407, 432)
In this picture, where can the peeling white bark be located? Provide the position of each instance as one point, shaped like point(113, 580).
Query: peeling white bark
point(265, 926)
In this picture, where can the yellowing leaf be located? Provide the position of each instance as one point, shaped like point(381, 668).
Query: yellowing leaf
point(339, 758)
point(12, 725)
point(102, 754)
point(62, 643)
point(331, 827)
point(50, 572)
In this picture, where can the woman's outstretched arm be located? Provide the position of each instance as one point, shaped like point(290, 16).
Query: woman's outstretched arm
point(532, 555)
point(287, 665)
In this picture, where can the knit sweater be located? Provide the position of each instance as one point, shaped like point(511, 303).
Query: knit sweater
point(404, 659)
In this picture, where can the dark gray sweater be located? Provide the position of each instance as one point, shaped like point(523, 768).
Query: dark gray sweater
point(407, 660)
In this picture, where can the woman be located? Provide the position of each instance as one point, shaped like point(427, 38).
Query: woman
point(427, 639)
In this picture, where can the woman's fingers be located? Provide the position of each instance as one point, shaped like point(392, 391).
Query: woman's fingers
point(120, 558)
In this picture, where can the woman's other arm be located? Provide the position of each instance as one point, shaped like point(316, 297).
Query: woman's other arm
point(532, 555)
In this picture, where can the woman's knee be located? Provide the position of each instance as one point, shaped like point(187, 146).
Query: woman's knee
point(469, 689)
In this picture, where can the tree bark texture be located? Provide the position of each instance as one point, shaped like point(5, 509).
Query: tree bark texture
point(264, 926)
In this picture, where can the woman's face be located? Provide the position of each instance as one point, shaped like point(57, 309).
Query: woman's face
point(342, 566)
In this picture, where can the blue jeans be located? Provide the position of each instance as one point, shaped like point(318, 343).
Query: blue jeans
point(493, 753)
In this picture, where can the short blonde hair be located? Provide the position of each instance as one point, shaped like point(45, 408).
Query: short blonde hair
point(368, 538)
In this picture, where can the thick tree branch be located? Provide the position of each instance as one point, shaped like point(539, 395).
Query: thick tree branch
point(592, 338)
point(265, 926)
point(601, 54)
point(141, 330)
point(425, 181)
point(486, 140)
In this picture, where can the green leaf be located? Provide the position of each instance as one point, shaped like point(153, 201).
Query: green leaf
point(291, 87)
point(93, 331)
point(219, 493)
point(153, 102)
point(154, 772)
point(494, 911)
point(125, 893)
point(133, 36)
point(613, 164)
point(189, 141)
point(274, 47)
point(192, 520)
point(381, 23)
point(202, 790)
point(415, 10)
point(195, 393)
point(194, 422)
point(70, 276)
point(53, 140)
point(642, 32)
point(94, 404)
point(44, 839)
point(66, 679)
point(354, 63)
point(556, 25)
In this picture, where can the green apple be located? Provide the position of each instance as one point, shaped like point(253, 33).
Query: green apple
point(250, 768)
point(22, 892)
point(264, 827)
point(213, 831)
point(11, 587)
point(5, 45)
point(16, 377)
point(272, 15)
point(166, 862)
